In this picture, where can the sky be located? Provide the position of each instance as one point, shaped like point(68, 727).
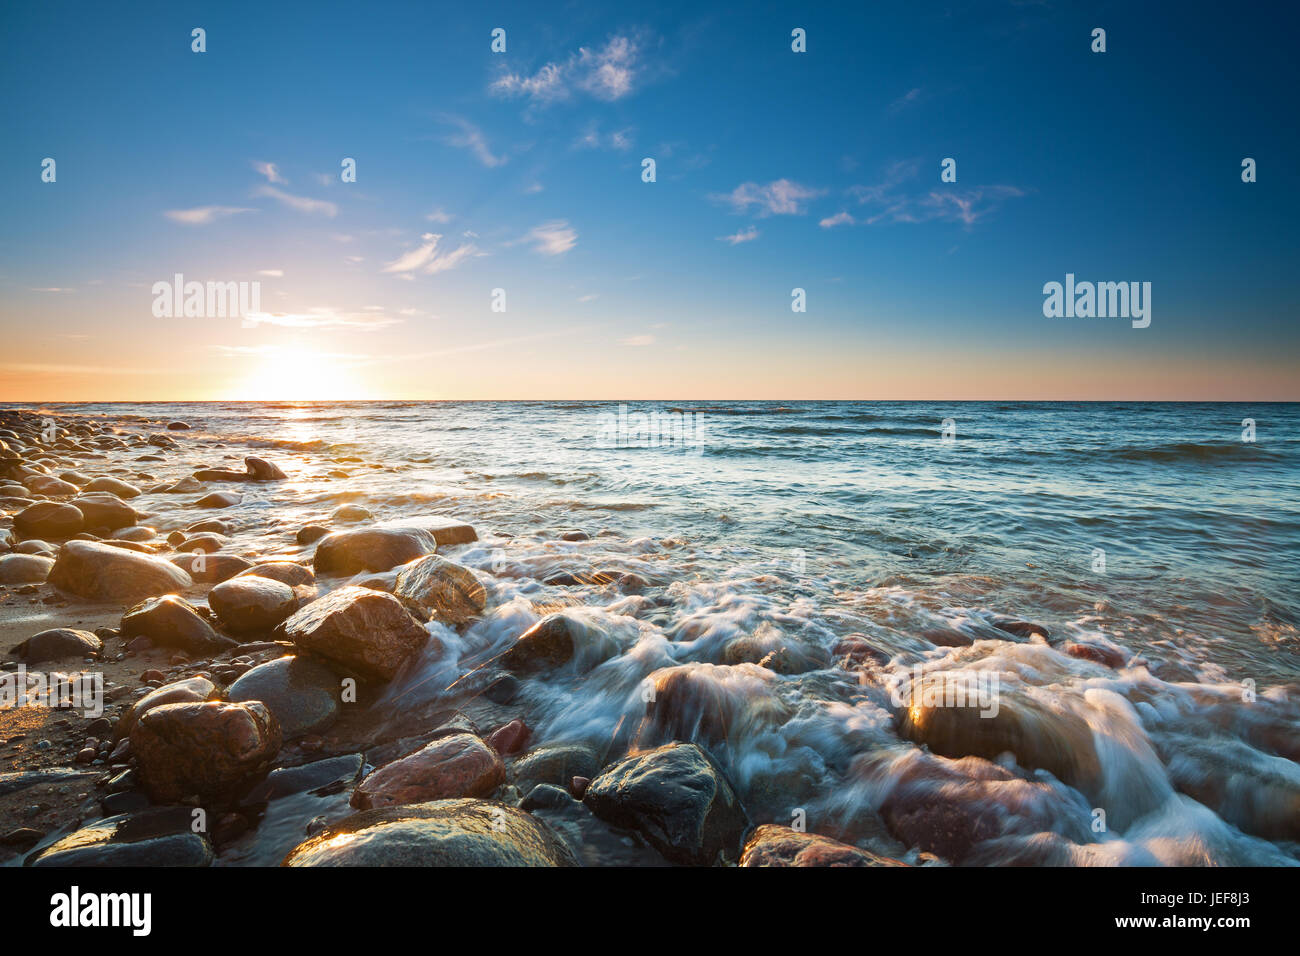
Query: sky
point(524, 171)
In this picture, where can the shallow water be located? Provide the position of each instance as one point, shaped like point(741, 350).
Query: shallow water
point(801, 523)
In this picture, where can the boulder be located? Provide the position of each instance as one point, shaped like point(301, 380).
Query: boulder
point(24, 568)
point(211, 568)
point(460, 765)
point(103, 510)
point(49, 485)
point(678, 799)
point(250, 604)
point(219, 499)
point(361, 630)
point(371, 549)
point(113, 486)
point(101, 572)
point(450, 590)
point(286, 572)
point(262, 470)
point(149, 838)
point(56, 644)
point(192, 690)
point(302, 693)
point(452, 833)
point(775, 845)
point(548, 644)
point(49, 519)
point(555, 764)
point(205, 749)
point(171, 621)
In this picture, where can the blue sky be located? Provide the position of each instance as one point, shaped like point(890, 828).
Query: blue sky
point(775, 170)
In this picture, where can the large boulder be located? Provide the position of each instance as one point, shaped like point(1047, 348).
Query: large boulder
point(103, 510)
point(775, 845)
point(154, 837)
point(451, 591)
point(678, 799)
point(555, 641)
point(259, 469)
point(359, 629)
point(371, 549)
point(251, 604)
point(171, 621)
point(24, 568)
point(302, 693)
point(56, 644)
point(211, 568)
point(204, 749)
point(456, 833)
point(49, 519)
point(461, 765)
point(114, 486)
point(101, 572)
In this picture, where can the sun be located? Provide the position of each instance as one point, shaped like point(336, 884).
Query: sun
point(291, 373)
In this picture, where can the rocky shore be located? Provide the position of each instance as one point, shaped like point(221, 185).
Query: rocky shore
point(245, 717)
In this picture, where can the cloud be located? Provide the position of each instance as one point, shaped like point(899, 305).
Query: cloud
point(273, 273)
point(300, 203)
point(427, 259)
point(589, 297)
point(323, 317)
point(439, 215)
point(552, 238)
point(639, 340)
point(591, 138)
point(910, 98)
point(742, 235)
point(781, 197)
point(270, 171)
point(202, 215)
point(839, 219)
point(54, 288)
point(889, 202)
point(608, 73)
point(471, 138)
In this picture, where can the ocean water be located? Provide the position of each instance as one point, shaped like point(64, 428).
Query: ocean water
point(1150, 531)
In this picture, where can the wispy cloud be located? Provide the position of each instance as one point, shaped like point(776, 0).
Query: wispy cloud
point(270, 171)
point(427, 259)
point(639, 340)
point(910, 98)
point(300, 203)
point(890, 202)
point(839, 219)
point(439, 215)
point(324, 317)
point(591, 138)
point(742, 235)
point(54, 288)
point(781, 197)
point(202, 215)
point(552, 238)
point(273, 273)
point(471, 138)
point(608, 73)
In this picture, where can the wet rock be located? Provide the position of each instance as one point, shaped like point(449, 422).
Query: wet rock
point(207, 542)
point(856, 649)
point(220, 474)
point(773, 845)
point(555, 763)
point(455, 833)
point(301, 693)
point(768, 647)
point(171, 621)
point(204, 749)
point(22, 839)
point(49, 519)
point(49, 485)
point(102, 510)
point(510, 739)
point(251, 604)
point(450, 590)
point(350, 512)
point(262, 470)
point(460, 765)
point(545, 796)
point(310, 533)
point(1020, 628)
point(56, 644)
point(192, 690)
point(157, 837)
point(359, 629)
point(320, 777)
point(575, 535)
point(211, 568)
point(24, 568)
point(286, 572)
point(219, 499)
point(135, 534)
point(113, 486)
point(1097, 653)
point(677, 799)
point(371, 549)
point(548, 644)
point(1256, 792)
point(1053, 739)
point(711, 703)
point(101, 572)
point(178, 426)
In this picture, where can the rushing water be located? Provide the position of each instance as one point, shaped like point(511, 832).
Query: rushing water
point(1152, 532)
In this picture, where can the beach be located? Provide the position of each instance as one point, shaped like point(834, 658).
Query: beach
point(647, 634)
